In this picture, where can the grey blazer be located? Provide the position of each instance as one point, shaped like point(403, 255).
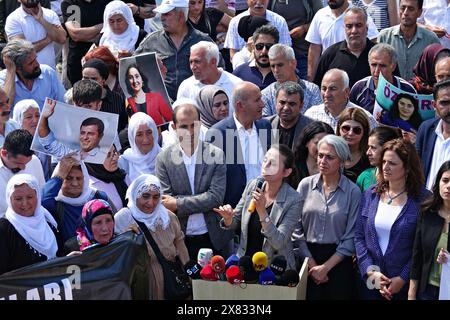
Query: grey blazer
point(209, 182)
point(302, 122)
point(284, 217)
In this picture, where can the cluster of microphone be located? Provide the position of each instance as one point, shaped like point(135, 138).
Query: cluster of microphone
point(246, 269)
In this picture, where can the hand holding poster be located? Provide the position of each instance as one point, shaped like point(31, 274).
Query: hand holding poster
point(141, 80)
point(64, 129)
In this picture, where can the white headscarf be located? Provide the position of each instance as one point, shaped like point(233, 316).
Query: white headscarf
point(21, 107)
point(87, 193)
point(159, 216)
point(141, 163)
point(35, 229)
point(126, 40)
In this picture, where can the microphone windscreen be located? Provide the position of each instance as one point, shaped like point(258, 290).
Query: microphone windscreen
point(234, 275)
point(260, 261)
point(232, 260)
point(218, 264)
point(267, 277)
point(246, 267)
point(208, 273)
point(289, 278)
point(193, 269)
point(204, 256)
point(278, 265)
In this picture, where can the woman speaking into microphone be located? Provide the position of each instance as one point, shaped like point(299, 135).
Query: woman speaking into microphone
point(267, 216)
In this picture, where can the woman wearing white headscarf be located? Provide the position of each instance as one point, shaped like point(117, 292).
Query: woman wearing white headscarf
point(26, 113)
point(120, 32)
point(143, 139)
point(66, 193)
point(28, 232)
point(144, 205)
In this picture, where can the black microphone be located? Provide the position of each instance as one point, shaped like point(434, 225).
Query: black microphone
point(259, 184)
point(246, 266)
point(193, 269)
point(289, 278)
point(278, 265)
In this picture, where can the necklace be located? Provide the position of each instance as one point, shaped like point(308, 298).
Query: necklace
point(395, 197)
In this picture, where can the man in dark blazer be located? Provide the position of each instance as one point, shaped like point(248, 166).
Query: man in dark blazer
point(244, 138)
point(289, 122)
point(192, 175)
point(432, 141)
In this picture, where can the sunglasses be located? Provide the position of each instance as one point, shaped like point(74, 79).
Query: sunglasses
point(347, 128)
point(260, 46)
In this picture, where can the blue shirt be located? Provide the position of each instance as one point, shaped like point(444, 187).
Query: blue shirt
point(250, 72)
point(46, 85)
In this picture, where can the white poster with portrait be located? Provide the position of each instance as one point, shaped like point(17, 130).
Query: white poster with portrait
point(65, 129)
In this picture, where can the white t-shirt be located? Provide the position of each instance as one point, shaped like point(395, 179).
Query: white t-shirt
point(384, 220)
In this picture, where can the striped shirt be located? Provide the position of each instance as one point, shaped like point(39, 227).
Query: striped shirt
point(378, 10)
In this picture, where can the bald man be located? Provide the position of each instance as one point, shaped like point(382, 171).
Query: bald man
point(442, 69)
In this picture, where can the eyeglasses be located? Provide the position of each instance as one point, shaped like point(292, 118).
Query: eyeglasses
point(260, 46)
point(356, 130)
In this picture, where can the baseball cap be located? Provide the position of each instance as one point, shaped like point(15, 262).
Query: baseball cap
point(169, 5)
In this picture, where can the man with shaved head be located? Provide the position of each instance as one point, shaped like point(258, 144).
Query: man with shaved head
point(442, 69)
point(192, 173)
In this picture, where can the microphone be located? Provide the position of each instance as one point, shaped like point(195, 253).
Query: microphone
point(234, 275)
point(232, 260)
point(204, 256)
point(193, 269)
point(208, 273)
point(278, 265)
point(218, 264)
point(246, 267)
point(259, 184)
point(260, 261)
point(289, 278)
point(267, 277)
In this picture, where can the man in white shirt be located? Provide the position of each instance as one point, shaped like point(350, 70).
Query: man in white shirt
point(41, 26)
point(192, 175)
point(17, 157)
point(335, 91)
point(436, 18)
point(203, 62)
point(327, 28)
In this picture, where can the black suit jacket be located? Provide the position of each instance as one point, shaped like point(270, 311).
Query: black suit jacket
point(426, 138)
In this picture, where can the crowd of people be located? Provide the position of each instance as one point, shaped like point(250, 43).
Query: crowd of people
point(276, 138)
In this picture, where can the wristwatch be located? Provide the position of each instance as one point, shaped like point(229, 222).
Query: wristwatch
point(266, 220)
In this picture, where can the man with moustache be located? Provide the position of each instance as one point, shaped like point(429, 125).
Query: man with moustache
point(258, 70)
point(25, 78)
point(433, 137)
point(40, 26)
point(442, 69)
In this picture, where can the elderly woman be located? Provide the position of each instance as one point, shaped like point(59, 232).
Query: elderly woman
point(353, 126)
point(213, 105)
point(270, 228)
point(120, 32)
point(26, 114)
point(144, 206)
point(28, 232)
point(143, 139)
point(329, 204)
point(387, 222)
point(142, 100)
point(66, 193)
point(431, 240)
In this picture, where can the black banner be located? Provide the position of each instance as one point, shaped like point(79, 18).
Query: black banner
point(118, 271)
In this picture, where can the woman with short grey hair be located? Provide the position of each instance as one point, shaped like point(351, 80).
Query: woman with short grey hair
point(329, 204)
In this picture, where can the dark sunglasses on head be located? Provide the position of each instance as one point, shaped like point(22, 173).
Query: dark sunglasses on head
point(356, 130)
point(260, 46)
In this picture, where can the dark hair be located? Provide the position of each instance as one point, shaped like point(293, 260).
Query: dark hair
point(291, 87)
point(439, 86)
point(435, 201)
point(177, 108)
point(266, 29)
point(99, 65)
point(359, 116)
point(301, 149)
point(385, 134)
point(18, 142)
point(419, 4)
point(94, 122)
point(415, 120)
point(289, 163)
point(128, 84)
point(86, 91)
point(411, 162)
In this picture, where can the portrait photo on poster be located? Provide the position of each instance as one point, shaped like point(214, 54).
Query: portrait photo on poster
point(65, 129)
point(142, 82)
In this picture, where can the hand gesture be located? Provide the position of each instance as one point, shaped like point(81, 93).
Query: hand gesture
point(9, 64)
point(49, 108)
point(169, 202)
point(226, 212)
point(260, 201)
point(396, 284)
point(319, 274)
point(65, 165)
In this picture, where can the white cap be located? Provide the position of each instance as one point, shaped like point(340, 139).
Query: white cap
point(169, 5)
